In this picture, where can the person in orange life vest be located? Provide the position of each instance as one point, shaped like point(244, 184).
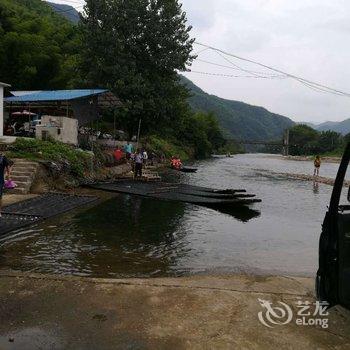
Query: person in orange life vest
point(173, 162)
point(176, 163)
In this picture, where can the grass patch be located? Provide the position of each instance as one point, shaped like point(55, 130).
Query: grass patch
point(34, 149)
point(167, 148)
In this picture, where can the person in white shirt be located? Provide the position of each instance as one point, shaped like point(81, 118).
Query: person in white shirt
point(138, 163)
point(145, 157)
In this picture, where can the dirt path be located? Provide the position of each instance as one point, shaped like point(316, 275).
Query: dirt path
point(201, 312)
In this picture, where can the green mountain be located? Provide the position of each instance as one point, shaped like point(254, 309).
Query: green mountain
point(67, 11)
point(342, 127)
point(239, 120)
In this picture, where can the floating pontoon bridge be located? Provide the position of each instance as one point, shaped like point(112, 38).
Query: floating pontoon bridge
point(181, 192)
point(26, 213)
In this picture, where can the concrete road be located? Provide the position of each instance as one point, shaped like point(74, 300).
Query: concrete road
point(201, 312)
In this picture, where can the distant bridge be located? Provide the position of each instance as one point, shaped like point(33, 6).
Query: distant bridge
point(284, 144)
point(265, 143)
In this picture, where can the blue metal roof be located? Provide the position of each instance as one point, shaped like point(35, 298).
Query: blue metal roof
point(56, 95)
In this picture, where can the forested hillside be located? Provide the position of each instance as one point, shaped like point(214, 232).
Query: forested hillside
point(239, 120)
point(37, 46)
point(66, 11)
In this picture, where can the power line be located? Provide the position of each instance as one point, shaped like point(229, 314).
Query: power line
point(227, 75)
point(306, 82)
point(272, 76)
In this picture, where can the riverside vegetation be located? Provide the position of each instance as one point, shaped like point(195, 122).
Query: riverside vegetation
point(304, 140)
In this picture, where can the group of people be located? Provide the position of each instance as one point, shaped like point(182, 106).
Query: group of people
point(138, 158)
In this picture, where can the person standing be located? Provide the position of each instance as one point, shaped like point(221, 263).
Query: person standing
point(118, 155)
point(138, 164)
point(4, 166)
point(317, 163)
point(128, 149)
point(145, 157)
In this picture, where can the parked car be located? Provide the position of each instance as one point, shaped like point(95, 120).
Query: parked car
point(333, 276)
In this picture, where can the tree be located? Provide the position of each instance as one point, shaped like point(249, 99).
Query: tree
point(37, 47)
point(329, 141)
point(303, 140)
point(347, 139)
point(135, 48)
point(202, 132)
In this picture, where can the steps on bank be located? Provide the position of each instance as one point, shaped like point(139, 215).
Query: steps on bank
point(148, 175)
point(23, 174)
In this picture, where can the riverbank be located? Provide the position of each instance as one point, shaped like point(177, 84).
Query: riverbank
point(40, 311)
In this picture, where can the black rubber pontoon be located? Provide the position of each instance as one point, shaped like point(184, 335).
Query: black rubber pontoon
point(180, 192)
point(28, 212)
point(187, 169)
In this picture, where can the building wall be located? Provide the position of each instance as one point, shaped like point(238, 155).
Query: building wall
point(85, 110)
point(59, 128)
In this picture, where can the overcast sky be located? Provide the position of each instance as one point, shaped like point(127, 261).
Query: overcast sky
point(308, 38)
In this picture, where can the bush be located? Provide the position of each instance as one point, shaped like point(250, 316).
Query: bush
point(199, 136)
point(202, 133)
point(37, 150)
point(305, 141)
point(167, 148)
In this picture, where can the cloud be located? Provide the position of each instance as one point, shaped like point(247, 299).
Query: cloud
point(305, 37)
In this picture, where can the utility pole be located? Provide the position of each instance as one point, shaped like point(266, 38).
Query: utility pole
point(286, 143)
point(138, 133)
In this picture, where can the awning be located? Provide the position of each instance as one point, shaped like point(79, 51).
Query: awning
point(55, 95)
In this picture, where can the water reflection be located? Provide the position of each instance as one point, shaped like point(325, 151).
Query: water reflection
point(131, 236)
point(242, 213)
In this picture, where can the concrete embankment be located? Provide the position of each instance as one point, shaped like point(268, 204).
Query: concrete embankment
point(52, 312)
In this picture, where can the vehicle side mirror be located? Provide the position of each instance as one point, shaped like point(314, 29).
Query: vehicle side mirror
point(349, 194)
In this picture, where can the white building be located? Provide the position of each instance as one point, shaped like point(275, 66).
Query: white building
point(2, 86)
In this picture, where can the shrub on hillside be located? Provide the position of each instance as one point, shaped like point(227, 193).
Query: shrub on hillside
point(55, 151)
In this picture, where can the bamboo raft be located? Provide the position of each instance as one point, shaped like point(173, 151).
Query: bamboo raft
point(181, 192)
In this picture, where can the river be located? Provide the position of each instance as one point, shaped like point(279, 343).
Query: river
point(127, 236)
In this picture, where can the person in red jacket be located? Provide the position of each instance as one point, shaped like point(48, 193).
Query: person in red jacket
point(118, 155)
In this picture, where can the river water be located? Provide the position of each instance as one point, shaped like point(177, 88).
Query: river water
point(128, 236)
